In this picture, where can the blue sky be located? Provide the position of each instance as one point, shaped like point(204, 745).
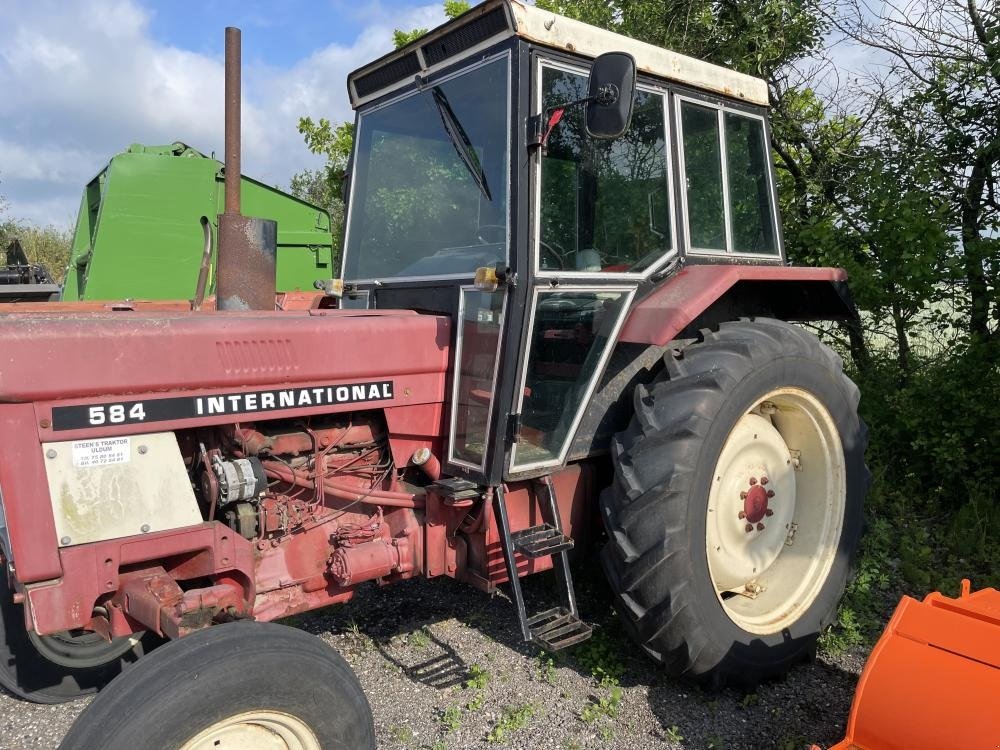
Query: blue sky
point(80, 80)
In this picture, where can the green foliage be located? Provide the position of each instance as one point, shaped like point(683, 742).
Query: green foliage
point(673, 733)
point(478, 678)
point(546, 671)
point(600, 654)
point(451, 719)
point(513, 719)
point(323, 186)
point(605, 704)
point(48, 245)
point(452, 9)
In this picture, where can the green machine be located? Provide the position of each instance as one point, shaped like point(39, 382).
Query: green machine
point(140, 232)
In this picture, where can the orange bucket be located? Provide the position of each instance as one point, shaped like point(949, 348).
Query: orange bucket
point(932, 681)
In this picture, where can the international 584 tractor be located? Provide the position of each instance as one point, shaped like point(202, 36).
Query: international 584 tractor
point(564, 298)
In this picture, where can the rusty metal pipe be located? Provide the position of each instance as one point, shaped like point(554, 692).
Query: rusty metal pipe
point(233, 114)
point(247, 246)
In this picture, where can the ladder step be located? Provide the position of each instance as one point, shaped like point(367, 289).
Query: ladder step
point(557, 628)
point(540, 541)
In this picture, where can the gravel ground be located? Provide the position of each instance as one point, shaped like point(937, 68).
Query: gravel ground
point(444, 667)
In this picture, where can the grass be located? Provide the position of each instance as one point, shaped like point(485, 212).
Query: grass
point(513, 719)
point(419, 639)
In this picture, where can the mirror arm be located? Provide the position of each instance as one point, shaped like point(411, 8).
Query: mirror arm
point(543, 125)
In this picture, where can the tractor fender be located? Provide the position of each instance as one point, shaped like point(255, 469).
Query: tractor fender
point(709, 294)
point(696, 297)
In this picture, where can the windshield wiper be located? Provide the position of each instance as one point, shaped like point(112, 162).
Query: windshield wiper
point(461, 142)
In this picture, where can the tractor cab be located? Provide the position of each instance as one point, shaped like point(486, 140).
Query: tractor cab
point(497, 179)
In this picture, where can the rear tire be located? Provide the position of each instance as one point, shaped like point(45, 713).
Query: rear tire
point(736, 508)
point(243, 685)
point(58, 668)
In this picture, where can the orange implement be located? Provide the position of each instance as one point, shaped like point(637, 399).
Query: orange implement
point(932, 681)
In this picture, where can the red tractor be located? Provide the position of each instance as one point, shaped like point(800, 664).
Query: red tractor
point(564, 297)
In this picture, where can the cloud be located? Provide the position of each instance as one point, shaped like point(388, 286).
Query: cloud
point(80, 81)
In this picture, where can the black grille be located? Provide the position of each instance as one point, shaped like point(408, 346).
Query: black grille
point(466, 36)
point(390, 73)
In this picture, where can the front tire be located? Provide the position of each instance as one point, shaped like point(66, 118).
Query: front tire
point(242, 686)
point(736, 507)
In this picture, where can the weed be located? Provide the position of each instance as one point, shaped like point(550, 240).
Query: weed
point(478, 679)
point(451, 719)
point(546, 669)
point(477, 702)
point(716, 743)
point(603, 706)
point(359, 637)
point(600, 655)
point(673, 733)
point(419, 639)
point(749, 700)
point(606, 733)
point(512, 720)
point(439, 745)
point(402, 734)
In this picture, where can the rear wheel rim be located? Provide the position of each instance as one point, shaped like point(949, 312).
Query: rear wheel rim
point(256, 730)
point(776, 510)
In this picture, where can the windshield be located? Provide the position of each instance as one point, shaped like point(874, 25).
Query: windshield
point(430, 180)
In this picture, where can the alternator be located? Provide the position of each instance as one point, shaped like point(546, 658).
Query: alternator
point(241, 479)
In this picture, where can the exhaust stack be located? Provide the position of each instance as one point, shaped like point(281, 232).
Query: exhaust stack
point(247, 246)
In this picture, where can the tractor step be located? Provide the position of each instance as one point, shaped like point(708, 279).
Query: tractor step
point(540, 541)
point(558, 628)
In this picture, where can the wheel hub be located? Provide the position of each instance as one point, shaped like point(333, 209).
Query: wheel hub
point(755, 503)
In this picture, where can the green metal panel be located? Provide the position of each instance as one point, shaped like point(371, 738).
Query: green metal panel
point(139, 235)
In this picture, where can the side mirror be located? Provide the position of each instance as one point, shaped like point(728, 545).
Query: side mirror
point(612, 92)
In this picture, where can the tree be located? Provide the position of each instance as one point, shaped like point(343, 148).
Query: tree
point(336, 142)
point(937, 98)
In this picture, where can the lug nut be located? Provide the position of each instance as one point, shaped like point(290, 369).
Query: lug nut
point(749, 527)
point(763, 480)
point(741, 515)
point(753, 481)
point(760, 527)
point(770, 493)
point(743, 496)
point(768, 512)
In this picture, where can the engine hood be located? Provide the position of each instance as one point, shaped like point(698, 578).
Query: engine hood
point(52, 356)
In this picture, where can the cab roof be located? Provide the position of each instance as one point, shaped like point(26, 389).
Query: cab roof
point(496, 20)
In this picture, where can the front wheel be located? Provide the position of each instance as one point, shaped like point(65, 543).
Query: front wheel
point(239, 686)
point(736, 507)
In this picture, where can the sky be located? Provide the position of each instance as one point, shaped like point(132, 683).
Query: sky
point(80, 80)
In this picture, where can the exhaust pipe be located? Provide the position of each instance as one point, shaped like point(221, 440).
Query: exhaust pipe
point(247, 246)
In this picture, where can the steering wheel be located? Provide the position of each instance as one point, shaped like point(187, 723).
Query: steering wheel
point(500, 227)
point(549, 252)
